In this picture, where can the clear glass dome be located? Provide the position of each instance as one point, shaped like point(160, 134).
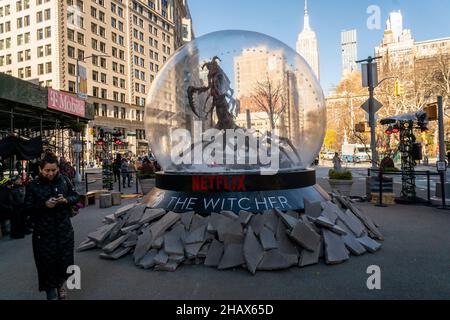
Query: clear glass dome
point(235, 101)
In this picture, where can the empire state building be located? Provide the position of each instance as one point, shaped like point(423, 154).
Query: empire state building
point(307, 45)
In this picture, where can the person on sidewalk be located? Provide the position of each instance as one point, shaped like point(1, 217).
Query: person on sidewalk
point(125, 173)
point(50, 199)
point(18, 216)
point(117, 163)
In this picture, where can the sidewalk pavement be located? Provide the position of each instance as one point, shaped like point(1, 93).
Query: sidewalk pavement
point(414, 261)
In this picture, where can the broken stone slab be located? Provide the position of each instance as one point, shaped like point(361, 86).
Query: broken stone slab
point(117, 230)
point(288, 220)
point(198, 235)
point(285, 245)
point(312, 209)
point(275, 260)
point(148, 261)
point(159, 228)
point(124, 210)
point(135, 214)
point(102, 233)
point(177, 258)
point(116, 255)
point(193, 249)
point(143, 244)
point(257, 223)
point(231, 233)
point(233, 257)
point(245, 217)
point(271, 220)
point(198, 221)
point(86, 245)
point(204, 250)
point(130, 228)
point(173, 243)
point(330, 211)
point(338, 230)
point(217, 221)
point(110, 218)
point(371, 245)
point(305, 236)
point(230, 214)
point(293, 214)
point(335, 249)
point(170, 266)
point(214, 255)
point(308, 258)
point(268, 240)
point(186, 219)
point(115, 244)
point(161, 258)
point(324, 222)
point(310, 221)
point(158, 243)
point(151, 215)
point(253, 251)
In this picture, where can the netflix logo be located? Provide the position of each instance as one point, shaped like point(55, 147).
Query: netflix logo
point(218, 183)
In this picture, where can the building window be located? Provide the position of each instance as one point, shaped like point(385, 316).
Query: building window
point(71, 68)
point(72, 86)
point(122, 113)
point(104, 94)
point(48, 49)
point(40, 69)
point(95, 91)
point(48, 67)
point(96, 109)
point(71, 52)
point(116, 112)
point(104, 110)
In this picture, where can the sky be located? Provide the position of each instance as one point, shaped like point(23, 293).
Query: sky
point(283, 19)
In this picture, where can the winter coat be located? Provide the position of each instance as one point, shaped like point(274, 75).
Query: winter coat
point(5, 203)
point(53, 235)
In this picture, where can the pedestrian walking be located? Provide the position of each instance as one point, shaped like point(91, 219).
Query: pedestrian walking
point(117, 167)
point(51, 198)
point(18, 216)
point(125, 173)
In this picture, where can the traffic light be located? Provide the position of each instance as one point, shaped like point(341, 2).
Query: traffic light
point(118, 142)
point(399, 89)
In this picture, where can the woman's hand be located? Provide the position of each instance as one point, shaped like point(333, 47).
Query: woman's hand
point(51, 203)
point(61, 200)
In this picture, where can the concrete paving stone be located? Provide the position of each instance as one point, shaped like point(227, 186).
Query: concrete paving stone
point(116, 255)
point(124, 210)
point(148, 261)
point(173, 243)
point(305, 236)
point(288, 220)
point(143, 244)
point(86, 245)
point(312, 209)
point(135, 214)
point(308, 258)
point(151, 215)
point(217, 220)
point(117, 230)
point(162, 257)
point(111, 218)
point(159, 228)
point(177, 258)
point(198, 221)
point(192, 250)
point(102, 233)
point(129, 243)
point(130, 228)
point(158, 243)
point(198, 235)
point(352, 223)
point(371, 245)
point(245, 217)
point(233, 257)
point(330, 214)
point(109, 248)
point(231, 233)
point(338, 230)
point(257, 223)
point(324, 222)
point(253, 251)
point(275, 260)
point(229, 214)
point(271, 220)
point(214, 255)
point(186, 219)
point(310, 221)
point(170, 266)
point(286, 246)
point(335, 249)
point(293, 214)
point(204, 250)
point(268, 240)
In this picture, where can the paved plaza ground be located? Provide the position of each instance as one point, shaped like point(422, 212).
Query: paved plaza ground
point(414, 261)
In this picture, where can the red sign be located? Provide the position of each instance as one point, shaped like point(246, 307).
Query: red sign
point(218, 183)
point(64, 102)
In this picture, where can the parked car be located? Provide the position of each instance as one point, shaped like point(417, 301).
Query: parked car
point(328, 155)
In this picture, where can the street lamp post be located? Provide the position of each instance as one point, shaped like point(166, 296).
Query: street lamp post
point(78, 148)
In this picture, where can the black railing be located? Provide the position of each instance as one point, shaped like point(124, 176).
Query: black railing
point(428, 174)
point(119, 180)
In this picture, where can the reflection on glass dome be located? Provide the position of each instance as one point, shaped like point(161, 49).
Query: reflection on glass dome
point(235, 101)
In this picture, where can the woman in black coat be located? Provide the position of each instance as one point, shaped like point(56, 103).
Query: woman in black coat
point(50, 199)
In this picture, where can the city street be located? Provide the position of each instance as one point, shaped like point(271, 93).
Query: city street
point(414, 262)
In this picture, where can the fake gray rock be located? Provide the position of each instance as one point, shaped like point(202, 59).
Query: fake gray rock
point(352, 223)
point(124, 210)
point(151, 215)
point(313, 209)
point(117, 230)
point(143, 244)
point(148, 261)
point(110, 218)
point(173, 243)
point(218, 221)
point(268, 240)
point(231, 233)
point(161, 258)
point(324, 222)
point(193, 249)
point(229, 214)
point(245, 217)
point(308, 258)
point(288, 220)
point(285, 245)
point(186, 219)
point(102, 233)
point(371, 245)
point(257, 223)
point(335, 249)
point(253, 251)
point(115, 244)
point(135, 214)
point(177, 258)
point(305, 236)
point(271, 220)
point(170, 266)
point(275, 260)
point(204, 250)
point(158, 243)
point(214, 255)
point(198, 221)
point(116, 255)
point(198, 235)
point(293, 214)
point(86, 245)
point(130, 228)
point(158, 228)
point(233, 257)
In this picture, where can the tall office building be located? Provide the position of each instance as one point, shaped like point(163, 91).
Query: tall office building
point(120, 46)
point(307, 45)
point(349, 45)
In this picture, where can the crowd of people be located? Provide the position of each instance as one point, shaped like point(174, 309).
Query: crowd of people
point(124, 168)
point(43, 203)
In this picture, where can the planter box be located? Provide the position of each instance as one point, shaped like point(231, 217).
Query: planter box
point(343, 186)
point(146, 185)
